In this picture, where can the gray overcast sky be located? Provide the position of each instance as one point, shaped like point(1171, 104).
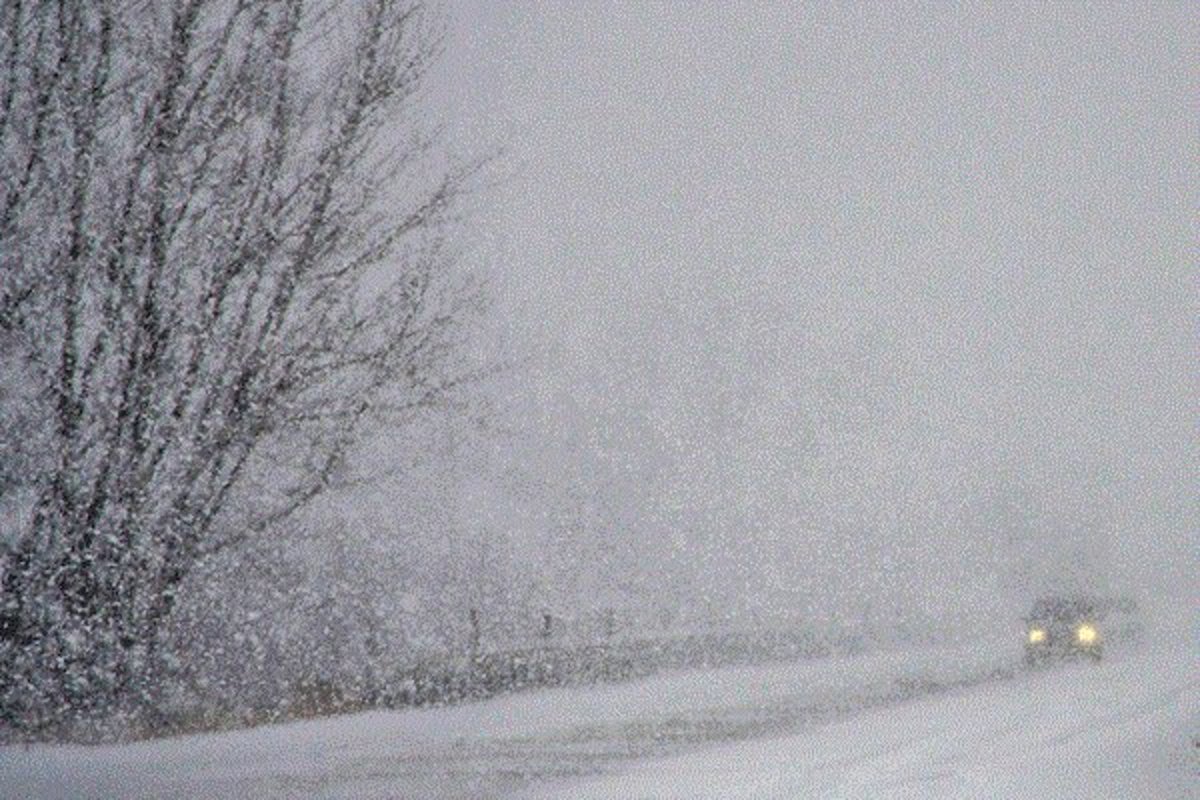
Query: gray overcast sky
point(828, 267)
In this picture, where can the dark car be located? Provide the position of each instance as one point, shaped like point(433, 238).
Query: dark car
point(1061, 627)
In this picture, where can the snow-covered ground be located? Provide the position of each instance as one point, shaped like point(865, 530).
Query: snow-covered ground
point(1127, 729)
point(953, 722)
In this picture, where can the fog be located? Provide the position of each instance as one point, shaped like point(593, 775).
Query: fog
point(575, 399)
point(818, 307)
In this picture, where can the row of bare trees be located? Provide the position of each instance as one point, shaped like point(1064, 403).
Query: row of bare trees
point(223, 258)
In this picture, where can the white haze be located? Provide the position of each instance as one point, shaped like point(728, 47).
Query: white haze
point(833, 310)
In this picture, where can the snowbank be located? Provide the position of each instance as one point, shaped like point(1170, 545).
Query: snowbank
point(488, 748)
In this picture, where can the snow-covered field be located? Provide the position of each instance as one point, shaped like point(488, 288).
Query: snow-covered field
point(949, 722)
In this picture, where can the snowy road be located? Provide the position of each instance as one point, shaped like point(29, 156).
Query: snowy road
point(954, 722)
point(1127, 729)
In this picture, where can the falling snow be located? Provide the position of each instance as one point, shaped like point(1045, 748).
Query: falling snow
point(549, 400)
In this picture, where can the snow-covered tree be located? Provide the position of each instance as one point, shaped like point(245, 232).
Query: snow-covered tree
point(222, 258)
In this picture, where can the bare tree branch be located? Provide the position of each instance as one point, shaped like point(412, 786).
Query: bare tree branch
point(218, 268)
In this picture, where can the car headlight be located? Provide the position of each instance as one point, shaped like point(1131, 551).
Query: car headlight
point(1086, 634)
point(1036, 635)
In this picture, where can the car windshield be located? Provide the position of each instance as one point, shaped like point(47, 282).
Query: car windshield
point(1061, 608)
